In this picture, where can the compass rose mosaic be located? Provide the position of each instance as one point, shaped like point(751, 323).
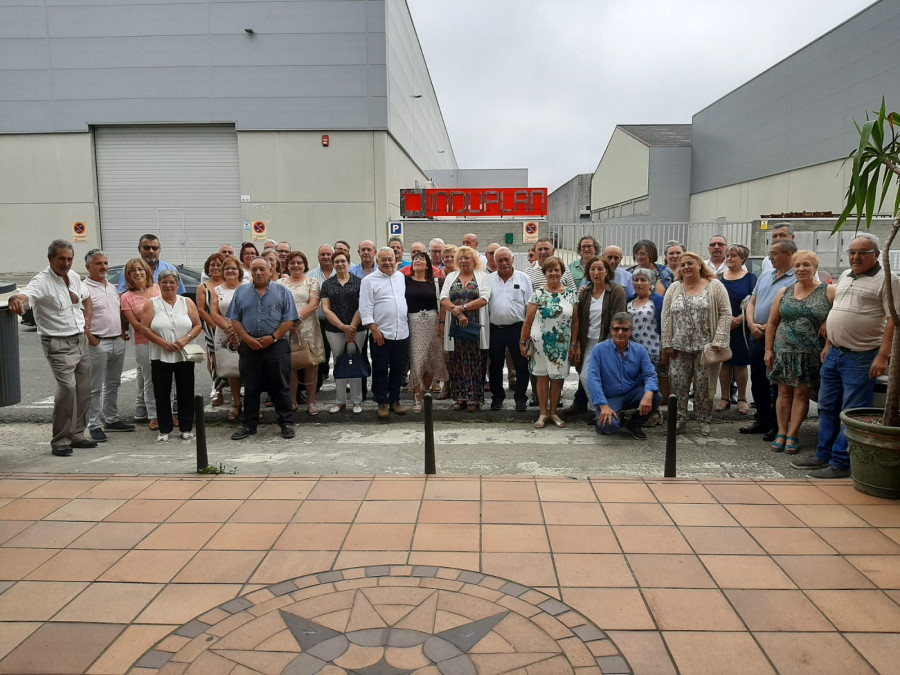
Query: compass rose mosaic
point(389, 620)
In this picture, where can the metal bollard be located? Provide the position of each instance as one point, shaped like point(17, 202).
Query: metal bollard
point(671, 422)
point(200, 434)
point(429, 435)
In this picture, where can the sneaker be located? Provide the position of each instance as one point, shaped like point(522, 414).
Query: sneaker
point(357, 409)
point(336, 408)
point(242, 432)
point(98, 435)
point(829, 471)
point(810, 463)
point(288, 431)
point(162, 438)
point(118, 425)
point(187, 435)
point(398, 408)
point(384, 411)
point(704, 428)
point(636, 431)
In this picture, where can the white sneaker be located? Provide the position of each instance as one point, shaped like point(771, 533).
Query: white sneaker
point(162, 438)
point(336, 408)
point(357, 409)
point(187, 435)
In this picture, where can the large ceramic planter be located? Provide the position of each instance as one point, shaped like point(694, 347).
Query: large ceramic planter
point(874, 452)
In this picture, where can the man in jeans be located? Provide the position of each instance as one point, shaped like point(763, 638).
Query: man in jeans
point(856, 352)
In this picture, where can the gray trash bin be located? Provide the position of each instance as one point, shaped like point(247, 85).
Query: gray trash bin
point(10, 381)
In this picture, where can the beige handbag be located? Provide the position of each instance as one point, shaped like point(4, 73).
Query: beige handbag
point(301, 355)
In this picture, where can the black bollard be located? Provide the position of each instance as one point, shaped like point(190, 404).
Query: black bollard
point(671, 422)
point(200, 434)
point(429, 435)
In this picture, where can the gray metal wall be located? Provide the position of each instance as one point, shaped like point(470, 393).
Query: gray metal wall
point(567, 202)
point(670, 184)
point(480, 178)
point(800, 112)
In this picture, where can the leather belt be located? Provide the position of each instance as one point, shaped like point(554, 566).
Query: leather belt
point(850, 351)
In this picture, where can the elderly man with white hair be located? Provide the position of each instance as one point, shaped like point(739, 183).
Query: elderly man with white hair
point(510, 292)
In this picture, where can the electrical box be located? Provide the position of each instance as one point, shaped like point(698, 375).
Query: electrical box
point(509, 238)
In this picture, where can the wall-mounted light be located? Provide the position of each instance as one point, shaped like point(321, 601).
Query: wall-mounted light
point(415, 95)
point(249, 31)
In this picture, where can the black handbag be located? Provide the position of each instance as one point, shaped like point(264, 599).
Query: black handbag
point(468, 333)
point(349, 366)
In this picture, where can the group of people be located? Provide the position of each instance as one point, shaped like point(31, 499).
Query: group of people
point(448, 319)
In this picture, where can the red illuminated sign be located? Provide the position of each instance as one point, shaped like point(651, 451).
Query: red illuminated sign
point(474, 202)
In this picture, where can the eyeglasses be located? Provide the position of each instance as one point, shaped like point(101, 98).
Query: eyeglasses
point(149, 248)
point(851, 252)
point(620, 329)
point(718, 244)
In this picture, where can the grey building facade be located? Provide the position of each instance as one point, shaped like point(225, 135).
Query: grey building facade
point(571, 201)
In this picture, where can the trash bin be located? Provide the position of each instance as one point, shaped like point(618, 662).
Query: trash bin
point(10, 382)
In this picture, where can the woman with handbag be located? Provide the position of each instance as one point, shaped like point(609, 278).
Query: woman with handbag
point(139, 282)
point(225, 339)
point(171, 322)
point(213, 269)
point(340, 303)
point(739, 283)
point(426, 351)
point(696, 321)
point(550, 323)
point(464, 299)
point(307, 336)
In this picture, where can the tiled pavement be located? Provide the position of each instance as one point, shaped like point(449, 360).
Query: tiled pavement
point(364, 574)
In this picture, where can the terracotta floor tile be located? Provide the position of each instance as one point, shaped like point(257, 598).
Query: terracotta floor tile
point(514, 538)
point(879, 515)
point(280, 565)
point(573, 513)
point(38, 600)
point(19, 487)
point(289, 489)
point(735, 493)
point(790, 541)
point(41, 653)
point(645, 652)
point(127, 648)
point(368, 537)
point(452, 489)
point(713, 653)
point(710, 515)
point(843, 492)
point(651, 539)
point(10, 528)
point(74, 565)
point(450, 512)
point(858, 611)
point(891, 532)
point(148, 566)
point(879, 649)
point(179, 603)
point(826, 515)
point(565, 491)
point(387, 511)
point(636, 514)
point(30, 509)
point(327, 512)
point(769, 610)
point(13, 633)
point(822, 572)
point(733, 540)
point(582, 539)
point(205, 511)
point(340, 489)
point(86, 509)
point(394, 489)
point(226, 487)
point(179, 536)
point(441, 536)
point(17, 563)
point(59, 488)
point(312, 537)
point(763, 515)
point(457, 559)
point(512, 512)
point(220, 567)
point(346, 559)
point(57, 534)
point(245, 537)
point(113, 536)
point(109, 603)
point(118, 488)
point(173, 489)
point(623, 492)
point(611, 608)
point(265, 511)
point(883, 570)
point(691, 609)
point(507, 490)
point(678, 492)
point(746, 571)
point(669, 571)
point(798, 494)
point(814, 654)
point(531, 569)
point(593, 570)
point(144, 511)
point(858, 541)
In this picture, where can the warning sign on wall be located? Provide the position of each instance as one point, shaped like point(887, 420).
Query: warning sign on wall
point(259, 230)
point(530, 232)
point(79, 232)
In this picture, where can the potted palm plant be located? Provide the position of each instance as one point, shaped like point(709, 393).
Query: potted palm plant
point(874, 434)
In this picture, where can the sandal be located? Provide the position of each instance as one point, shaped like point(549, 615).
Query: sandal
point(417, 403)
point(723, 405)
point(154, 424)
point(445, 393)
point(541, 422)
point(457, 406)
point(235, 413)
point(472, 407)
point(558, 422)
point(792, 445)
point(743, 406)
point(312, 409)
point(776, 446)
point(218, 399)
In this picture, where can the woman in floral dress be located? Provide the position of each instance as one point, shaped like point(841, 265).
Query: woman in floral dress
point(551, 321)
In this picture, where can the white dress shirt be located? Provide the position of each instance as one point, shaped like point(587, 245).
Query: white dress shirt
point(54, 312)
point(382, 301)
point(508, 303)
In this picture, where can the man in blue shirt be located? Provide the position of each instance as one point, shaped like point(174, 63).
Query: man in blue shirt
point(622, 377)
point(366, 264)
point(261, 314)
point(149, 249)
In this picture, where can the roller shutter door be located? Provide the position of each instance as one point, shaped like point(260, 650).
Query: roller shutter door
point(179, 182)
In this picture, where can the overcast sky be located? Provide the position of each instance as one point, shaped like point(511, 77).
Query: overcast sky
point(541, 84)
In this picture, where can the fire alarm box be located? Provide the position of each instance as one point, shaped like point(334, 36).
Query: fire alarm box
point(325, 140)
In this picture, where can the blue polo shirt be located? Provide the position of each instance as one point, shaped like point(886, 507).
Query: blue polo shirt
point(766, 289)
point(611, 375)
point(358, 271)
point(261, 315)
point(160, 266)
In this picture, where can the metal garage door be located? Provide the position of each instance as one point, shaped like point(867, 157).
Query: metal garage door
point(179, 182)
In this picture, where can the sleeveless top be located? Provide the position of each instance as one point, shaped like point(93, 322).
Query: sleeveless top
point(797, 343)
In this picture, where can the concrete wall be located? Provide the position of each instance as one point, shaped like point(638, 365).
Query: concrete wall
point(479, 178)
point(623, 172)
point(567, 202)
point(670, 184)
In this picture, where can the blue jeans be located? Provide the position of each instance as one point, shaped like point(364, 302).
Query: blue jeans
point(845, 384)
point(388, 365)
point(627, 402)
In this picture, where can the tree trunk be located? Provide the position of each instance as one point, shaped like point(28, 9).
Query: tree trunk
point(892, 400)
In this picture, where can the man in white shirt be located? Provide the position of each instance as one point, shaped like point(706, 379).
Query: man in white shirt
point(544, 249)
point(106, 336)
point(61, 302)
point(780, 232)
point(382, 307)
point(510, 292)
point(716, 260)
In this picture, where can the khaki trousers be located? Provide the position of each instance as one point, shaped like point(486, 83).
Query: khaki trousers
point(70, 363)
